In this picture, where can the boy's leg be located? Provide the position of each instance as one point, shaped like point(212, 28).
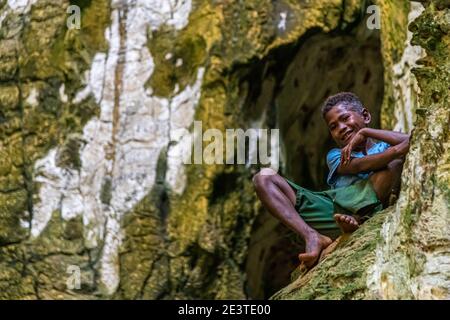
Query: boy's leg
point(386, 182)
point(279, 198)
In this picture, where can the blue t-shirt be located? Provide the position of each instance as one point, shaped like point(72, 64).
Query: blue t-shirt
point(336, 180)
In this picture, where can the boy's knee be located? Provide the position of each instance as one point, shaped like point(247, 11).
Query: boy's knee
point(392, 167)
point(263, 177)
point(395, 167)
point(267, 172)
point(396, 164)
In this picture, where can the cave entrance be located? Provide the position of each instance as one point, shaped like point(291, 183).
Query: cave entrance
point(287, 90)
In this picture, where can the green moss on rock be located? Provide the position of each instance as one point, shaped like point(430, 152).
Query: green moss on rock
point(176, 61)
point(69, 153)
point(178, 54)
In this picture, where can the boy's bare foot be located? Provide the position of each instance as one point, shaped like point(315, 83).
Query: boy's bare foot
point(314, 246)
point(347, 223)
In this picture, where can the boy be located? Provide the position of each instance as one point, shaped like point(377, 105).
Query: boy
point(364, 173)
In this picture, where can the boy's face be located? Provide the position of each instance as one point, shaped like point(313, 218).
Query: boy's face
point(344, 123)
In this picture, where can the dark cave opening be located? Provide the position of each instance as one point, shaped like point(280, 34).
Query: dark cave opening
point(286, 90)
point(223, 184)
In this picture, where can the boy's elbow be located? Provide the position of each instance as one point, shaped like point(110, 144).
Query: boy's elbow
point(407, 138)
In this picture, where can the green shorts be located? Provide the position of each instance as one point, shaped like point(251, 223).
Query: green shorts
point(318, 207)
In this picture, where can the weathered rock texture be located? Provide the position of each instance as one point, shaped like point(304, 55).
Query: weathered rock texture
point(91, 171)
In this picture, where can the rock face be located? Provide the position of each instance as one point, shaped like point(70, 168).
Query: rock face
point(92, 179)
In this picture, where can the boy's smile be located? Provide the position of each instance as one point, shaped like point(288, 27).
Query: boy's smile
point(344, 123)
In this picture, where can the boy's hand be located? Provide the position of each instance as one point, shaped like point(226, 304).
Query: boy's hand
point(355, 141)
point(402, 148)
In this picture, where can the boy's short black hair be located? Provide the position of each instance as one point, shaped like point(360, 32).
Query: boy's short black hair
point(347, 99)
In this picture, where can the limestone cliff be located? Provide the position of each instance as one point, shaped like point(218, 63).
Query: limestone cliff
point(91, 169)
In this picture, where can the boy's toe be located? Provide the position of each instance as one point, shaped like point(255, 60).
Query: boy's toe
point(346, 223)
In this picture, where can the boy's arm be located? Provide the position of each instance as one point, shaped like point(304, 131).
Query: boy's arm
point(377, 161)
point(391, 137)
point(371, 162)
